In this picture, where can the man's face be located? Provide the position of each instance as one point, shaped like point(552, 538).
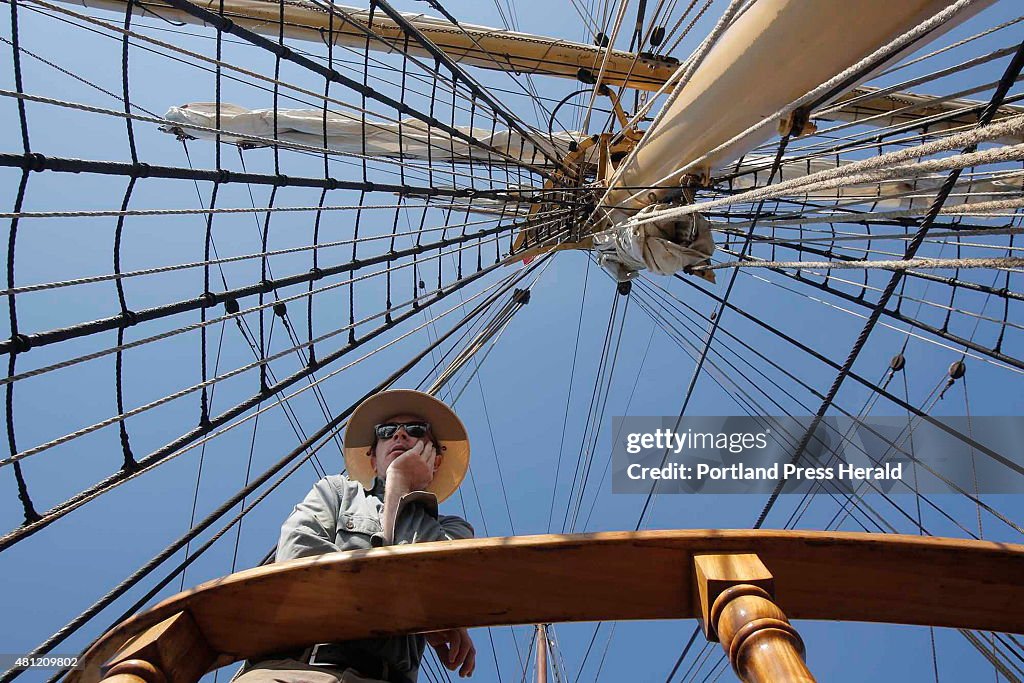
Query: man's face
point(387, 450)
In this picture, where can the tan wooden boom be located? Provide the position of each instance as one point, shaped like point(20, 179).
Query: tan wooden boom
point(541, 579)
point(470, 44)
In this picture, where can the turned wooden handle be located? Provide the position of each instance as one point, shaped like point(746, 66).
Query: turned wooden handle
point(737, 608)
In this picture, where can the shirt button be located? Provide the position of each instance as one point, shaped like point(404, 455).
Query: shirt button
point(348, 524)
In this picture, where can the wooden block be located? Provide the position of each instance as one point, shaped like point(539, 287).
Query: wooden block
point(175, 647)
point(715, 572)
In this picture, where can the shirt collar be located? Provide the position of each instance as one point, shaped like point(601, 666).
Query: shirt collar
point(376, 488)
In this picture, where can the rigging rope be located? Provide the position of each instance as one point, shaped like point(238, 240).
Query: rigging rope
point(320, 435)
point(1012, 71)
point(903, 264)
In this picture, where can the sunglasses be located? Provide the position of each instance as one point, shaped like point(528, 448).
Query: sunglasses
point(414, 429)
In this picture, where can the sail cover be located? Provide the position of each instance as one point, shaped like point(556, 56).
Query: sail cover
point(663, 247)
point(409, 139)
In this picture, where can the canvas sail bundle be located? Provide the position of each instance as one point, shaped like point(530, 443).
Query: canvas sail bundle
point(411, 139)
point(662, 247)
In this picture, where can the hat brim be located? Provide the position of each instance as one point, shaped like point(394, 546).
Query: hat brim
point(444, 423)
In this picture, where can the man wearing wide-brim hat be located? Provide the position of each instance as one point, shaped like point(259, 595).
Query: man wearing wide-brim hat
point(405, 451)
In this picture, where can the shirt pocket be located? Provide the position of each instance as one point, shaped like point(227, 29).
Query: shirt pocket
point(355, 531)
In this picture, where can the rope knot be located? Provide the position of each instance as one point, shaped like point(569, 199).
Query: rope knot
point(36, 162)
point(21, 343)
point(129, 318)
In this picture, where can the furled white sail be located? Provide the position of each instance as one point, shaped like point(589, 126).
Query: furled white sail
point(663, 247)
point(410, 139)
point(908, 193)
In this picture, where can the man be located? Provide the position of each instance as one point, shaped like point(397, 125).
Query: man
point(405, 451)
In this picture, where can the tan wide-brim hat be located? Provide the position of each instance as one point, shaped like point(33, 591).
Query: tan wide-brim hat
point(444, 423)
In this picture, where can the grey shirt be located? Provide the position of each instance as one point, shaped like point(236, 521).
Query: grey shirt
point(339, 514)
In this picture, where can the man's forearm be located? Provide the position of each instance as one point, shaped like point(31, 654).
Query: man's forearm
point(397, 487)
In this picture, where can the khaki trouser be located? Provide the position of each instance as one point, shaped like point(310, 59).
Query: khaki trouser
point(294, 671)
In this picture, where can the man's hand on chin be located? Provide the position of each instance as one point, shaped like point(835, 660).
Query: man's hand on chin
point(414, 469)
point(455, 649)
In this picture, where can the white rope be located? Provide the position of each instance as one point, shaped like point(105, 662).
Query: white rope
point(93, 279)
point(974, 209)
point(680, 78)
point(183, 392)
point(178, 394)
point(252, 74)
point(878, 56)
point(827, 145)
point(829, 236)
point(896, 89)
point(871, 170)
point(959, 161)
point(862, 251)
point(685, 70)
point(244, 209)
point(953, 46)
point(960, 351)
point(898, 264)
point(231, 316)
point(282, 399)
point(623, 5)
point(933, 123)
point(264, 141)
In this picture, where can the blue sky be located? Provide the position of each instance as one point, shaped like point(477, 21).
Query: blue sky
point(515, 406)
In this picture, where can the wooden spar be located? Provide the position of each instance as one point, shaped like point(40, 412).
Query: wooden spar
point(884, 578)
point(776, 52)
point(520, 52)
point(542, 654)
point(900, 108)
point(469, 44)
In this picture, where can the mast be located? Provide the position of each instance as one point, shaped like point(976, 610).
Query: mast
point(542, 654)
